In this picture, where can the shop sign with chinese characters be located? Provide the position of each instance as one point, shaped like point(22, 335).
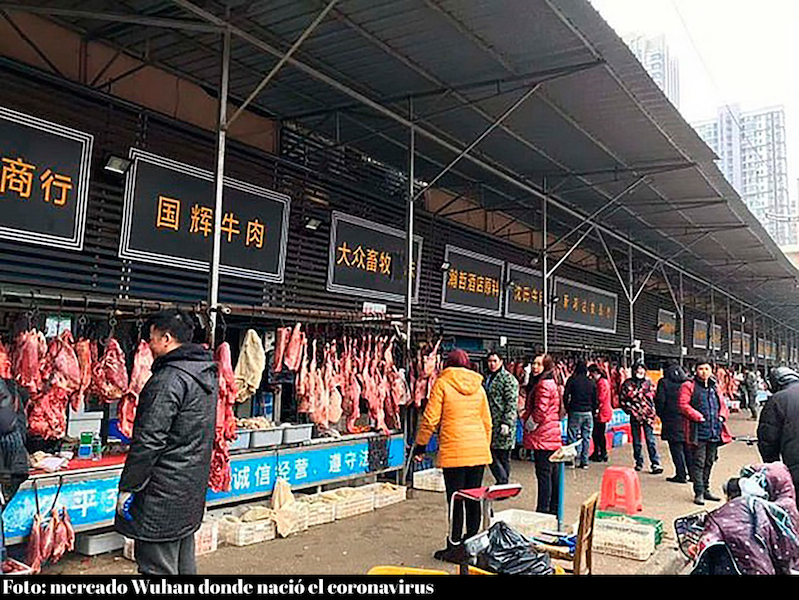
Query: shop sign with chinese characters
point(169, 220)
point(667, 327)
point(716, 337)
point(473, 282)
point(736, 342)
point(700, 334)
point(761, 348)
point(584, 307)
point(524, 297)
point(44, 181)
point(367, 259)
point(747, 344)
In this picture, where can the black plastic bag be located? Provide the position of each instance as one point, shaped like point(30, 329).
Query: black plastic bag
point(511, 553)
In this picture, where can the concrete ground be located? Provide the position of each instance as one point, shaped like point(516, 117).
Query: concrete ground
point(408, 533)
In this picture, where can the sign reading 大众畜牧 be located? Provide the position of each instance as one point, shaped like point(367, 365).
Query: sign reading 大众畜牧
point(473, 282)
point(717, 336)
point(367, 259)
point(667, 327)
point(700, 334)
point(584, 307)
point(169, 220)
point(747, 344)
point(44, 181)
point(524, 296)
point(737, 342)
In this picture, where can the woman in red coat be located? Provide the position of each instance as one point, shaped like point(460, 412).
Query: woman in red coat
point(603, 415)
point(542, 434)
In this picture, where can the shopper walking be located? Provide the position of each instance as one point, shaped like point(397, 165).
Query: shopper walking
point(603, 415)
point(667, 406)
point(637, 399)
point(458, 408)
point(13, 433)
point(580, 401)
point(750, 390)
point(502, 390)
point(541, 419)
point(705, 409)
point(778, 430)
point(163, 485)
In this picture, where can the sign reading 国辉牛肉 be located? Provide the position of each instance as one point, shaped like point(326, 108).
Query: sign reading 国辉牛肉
point(44, 181)
point(169, 220)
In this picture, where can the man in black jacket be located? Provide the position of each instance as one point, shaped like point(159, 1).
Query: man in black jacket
point(164, 482)
point(673, 430)
point(580, 401)
point(778, 429)
point(13, 432)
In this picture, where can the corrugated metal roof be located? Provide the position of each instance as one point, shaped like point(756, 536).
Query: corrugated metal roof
point(611, 116)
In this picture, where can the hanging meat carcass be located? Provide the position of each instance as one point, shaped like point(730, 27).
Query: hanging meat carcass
point(60, 536)
point(83, 351)
point(5, 363)
point(281, 344)
point(33, 555)
point(110, 375)
point(220, 477)
point(29, 352)
point(250, 366)
point(142, 370)
point(293, 354)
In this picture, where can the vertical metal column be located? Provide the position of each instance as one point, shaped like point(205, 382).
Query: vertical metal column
point(729, 331)
point(712, 323)
point(683, 345)
point(219, 178)
point(632, 293)
point(754, 338)
point(546, 270)
point(409, 236)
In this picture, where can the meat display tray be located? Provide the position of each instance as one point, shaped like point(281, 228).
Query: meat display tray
point(295, 434)
point(266, 439)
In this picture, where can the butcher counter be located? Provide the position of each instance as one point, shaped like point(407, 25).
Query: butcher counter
point(89, 489)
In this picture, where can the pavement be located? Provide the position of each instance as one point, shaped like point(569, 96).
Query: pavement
point(408, 533)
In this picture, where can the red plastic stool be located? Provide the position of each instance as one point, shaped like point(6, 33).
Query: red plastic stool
point(630, 498)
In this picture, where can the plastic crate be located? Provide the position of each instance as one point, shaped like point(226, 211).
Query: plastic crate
point(527, 522)
point(242, 441)
point(266, 438)
point(624, 539)
point(206, 540)
point(431, 480)
point(302, 520)
point(320, 510)
point(237, 533)
point(656, 523)
point(295, 434)
point(351, 501)
point(387, 494)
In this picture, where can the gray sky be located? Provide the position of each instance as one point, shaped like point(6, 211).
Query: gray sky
point(730, 52)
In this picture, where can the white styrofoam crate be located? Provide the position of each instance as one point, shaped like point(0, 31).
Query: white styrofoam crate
point(431, 480)
point(527, 522)
point(206, 540)
point(623, 539)
point(238, 533)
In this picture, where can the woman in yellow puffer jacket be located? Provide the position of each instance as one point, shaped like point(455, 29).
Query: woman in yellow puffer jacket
point(458, 407)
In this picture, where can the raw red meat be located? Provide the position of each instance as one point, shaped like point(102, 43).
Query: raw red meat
point(83, 351)
point(69, 529)
point(281, 343)
point(220, 476)
point(142, 365)
point(110, 375)
point(48, 540)
point(5, 363)
point(60, 537)
point(30, 350)
point(33, 556)
point(303, 381)
point(293, 351)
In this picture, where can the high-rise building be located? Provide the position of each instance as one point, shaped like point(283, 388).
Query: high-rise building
point(752, 155)
point(662, 66)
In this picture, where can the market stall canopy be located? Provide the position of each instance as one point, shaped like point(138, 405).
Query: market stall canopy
point(588, 124)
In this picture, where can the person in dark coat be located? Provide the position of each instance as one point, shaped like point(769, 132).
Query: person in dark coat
point(502, 390)
point(673, 431)
point(637, 399)
point(163, 485)
point(749, 385)
point(758, 524)
point(580, 401)
point(14, 466)
point(778, 429)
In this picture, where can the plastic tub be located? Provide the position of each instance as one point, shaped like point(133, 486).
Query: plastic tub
point(266, 438)
point(294, 434)
point(242, 442)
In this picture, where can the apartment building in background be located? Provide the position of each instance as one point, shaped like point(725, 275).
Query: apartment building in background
point(663, 67)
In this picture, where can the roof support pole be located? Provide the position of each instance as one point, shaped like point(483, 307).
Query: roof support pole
point(409, 237)
point(630, 296)
point(712, 322)
point(219, 178)
point(308, 31)
point(683, 345)
point(676, 302)
point(729, 330)
point(613, 264)
point(508, 112)
point(754, 338)
point(545, 254)
point(572, 249)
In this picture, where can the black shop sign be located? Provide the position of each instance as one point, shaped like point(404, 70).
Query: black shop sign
point(584, 307)
point(169, 220)
point(747, 343)
point(717, 337)
point(44, 181)
point(524, 295)
point(473, 282)
point(700, 334)
point(367, 259)
point(667, 327)
point(737, 341)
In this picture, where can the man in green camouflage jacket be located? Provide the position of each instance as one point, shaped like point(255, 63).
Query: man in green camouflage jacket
point(502, 390)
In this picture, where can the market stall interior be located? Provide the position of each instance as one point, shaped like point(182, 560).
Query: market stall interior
point(340, 199)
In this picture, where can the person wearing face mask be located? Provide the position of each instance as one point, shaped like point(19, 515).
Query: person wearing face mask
point(705, 410)
point(541, 419)
point(637, 399)
point(502, 390)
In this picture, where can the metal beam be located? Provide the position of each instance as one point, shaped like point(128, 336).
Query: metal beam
point(304, 36)
point(613, 264)
point(31, 43)
point(677, 305)
point(197, 26)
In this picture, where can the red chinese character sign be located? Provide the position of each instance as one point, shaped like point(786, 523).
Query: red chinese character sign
point(169, 220)
point(44, 181)
point(367, 259)
point(584, 307)
point(473, 283)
